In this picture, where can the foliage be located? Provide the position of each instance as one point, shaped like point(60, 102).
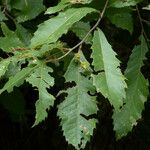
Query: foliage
point(77, 129)
point(137, 92)
point(41, 79)
point(104, 60)
point(36, 39)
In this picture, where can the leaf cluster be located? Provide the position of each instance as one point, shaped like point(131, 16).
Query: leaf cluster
point(35, 40)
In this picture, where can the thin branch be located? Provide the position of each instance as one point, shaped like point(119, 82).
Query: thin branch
point(9, 16)
point(142, 26)
point(83, 40)
point(6, 12)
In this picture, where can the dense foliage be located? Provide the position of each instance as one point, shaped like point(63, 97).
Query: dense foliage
point(76, 49)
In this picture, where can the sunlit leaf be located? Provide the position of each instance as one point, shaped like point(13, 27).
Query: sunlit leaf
point(110, 81)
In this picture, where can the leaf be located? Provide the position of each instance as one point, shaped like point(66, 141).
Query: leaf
point(28, 9)
point(79, 1)
point(17, 80)
point(60, 6)
point(41, 79)
point(4, 66)
point(45, 50)
point(110, 81)
point(14, 67)
point(52, 29)
point(81, 29)
point(137, 93)
point(2, 16)
point(123, 3)
point(147, 7)
point(14, 103)
point(147, 22)
point(122, 18)
point(23, 34)
point(11, 40)
point(76, 128)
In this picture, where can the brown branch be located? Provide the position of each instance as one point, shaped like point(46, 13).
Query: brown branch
point(83, 40)
point(6, 12)
point(142, 26)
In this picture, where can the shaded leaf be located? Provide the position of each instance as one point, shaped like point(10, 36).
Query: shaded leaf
point(28, 9)
point(123, 3)
point(15, 104)
point(81, 29)
point(23, 34)
point(137, 93)
point(122, 18)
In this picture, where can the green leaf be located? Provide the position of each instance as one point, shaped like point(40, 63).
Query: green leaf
point(23, 34)
point(60, 6)
point(11, 40)
point(137, 93)
point(14, 67)
point(76, 128)
point(45, 50)
point(52, 29)
point(147, 7)
point(110, 81)
point(2, 16)
point(122, 18)
point(17, 80)
point(15, 104)
point(147, 22)
point(123, 3)
point(41, 79)
point(28, 9)
point(81, 29)
point(79, 1)
point(4, 66)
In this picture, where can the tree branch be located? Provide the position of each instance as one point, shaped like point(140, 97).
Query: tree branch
point(83, 40)
point(142, 26)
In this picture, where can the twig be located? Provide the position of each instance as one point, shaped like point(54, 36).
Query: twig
point(83, 40)
point(9, 16)
point(142, 26)
point(6, 12)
